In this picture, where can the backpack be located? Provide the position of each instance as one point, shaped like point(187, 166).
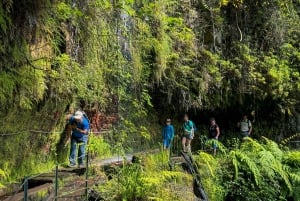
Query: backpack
point(85, 116)
point(194, 126)
point(248, 122)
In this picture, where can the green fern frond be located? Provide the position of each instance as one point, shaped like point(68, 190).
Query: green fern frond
point(295, 177)
point(209, 161)
point(286, 140)
point(243, 158)
point(273, 147)
point(221, 147)
point(292, 159)
point(2, 174)
point(235, 164)
point(267, 161)
point(251, 146)
point(172, 175)
point(280, 170)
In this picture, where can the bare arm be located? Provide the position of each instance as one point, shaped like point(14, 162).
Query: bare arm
point(218, 132)
point(250, 129)
point(83, 131)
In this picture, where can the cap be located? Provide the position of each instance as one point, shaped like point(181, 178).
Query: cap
point(168, 120)
point(78, 115)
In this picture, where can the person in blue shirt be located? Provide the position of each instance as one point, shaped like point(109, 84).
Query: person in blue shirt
point(168, 134)
point(79, 137)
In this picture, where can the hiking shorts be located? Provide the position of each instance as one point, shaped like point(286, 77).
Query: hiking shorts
point(188, 136)
point(167, 143)
point(245, 133)
point(214, 143)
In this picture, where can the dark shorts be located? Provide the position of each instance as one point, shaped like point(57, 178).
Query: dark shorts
point(245, 133)
point(188, 136)
point(214, 142)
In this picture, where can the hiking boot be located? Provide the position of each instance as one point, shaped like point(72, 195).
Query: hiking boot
point(189, 149)
point(81, 165)
point(72, 165)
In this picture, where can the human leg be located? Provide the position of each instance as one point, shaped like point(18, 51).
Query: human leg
point(188, 142)
point(244, 135)
point(214, 146)
point(183, 141)
point(165, 144)
point(73, 152)
point(81, 152)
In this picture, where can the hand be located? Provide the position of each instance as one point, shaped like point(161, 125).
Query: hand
point(216, 137)
point(68, 116)
point(73, 126)
point(67, 142)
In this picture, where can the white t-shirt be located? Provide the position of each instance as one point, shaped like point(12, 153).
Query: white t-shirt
point(245, 125)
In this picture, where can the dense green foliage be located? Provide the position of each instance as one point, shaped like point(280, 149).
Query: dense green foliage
point(255, 171)
point(150, 180)
point(147, 60)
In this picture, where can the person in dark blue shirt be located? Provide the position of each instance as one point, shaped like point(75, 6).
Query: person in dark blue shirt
point(79, 137)
point(168, 134)
point(214, 132)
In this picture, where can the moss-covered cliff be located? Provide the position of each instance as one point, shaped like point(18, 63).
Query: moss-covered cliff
point(145, 58)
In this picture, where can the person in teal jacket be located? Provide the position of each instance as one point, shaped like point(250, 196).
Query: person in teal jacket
point(188, 133)
point(168, 134)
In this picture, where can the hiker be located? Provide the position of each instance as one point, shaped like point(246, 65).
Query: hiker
point(214, 132)
point(188, 133)
point(168, 134)
point(245, 126)
point(79, 137)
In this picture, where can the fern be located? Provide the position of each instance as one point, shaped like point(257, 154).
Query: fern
point(286, 140)
point(209, 161)
point(235, 163)
point(267, 161)
point(220, 146)
point(251, 146)
point(280, 170)
point(248, 164)
point(273, 147)
point(292, 159)
point(3, 175)
point(295, 177)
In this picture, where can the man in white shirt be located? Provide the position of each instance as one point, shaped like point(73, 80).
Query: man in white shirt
point(245, 126)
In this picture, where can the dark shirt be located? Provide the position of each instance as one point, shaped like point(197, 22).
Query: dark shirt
point(213, 131)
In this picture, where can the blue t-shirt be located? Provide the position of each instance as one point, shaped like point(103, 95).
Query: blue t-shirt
point(168, 132)
point(83, 125)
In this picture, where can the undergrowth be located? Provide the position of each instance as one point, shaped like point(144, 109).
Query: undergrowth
point(150, 180)
point(253, 170)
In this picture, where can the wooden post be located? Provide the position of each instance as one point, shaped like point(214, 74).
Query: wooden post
point(56, 182)
point(26, 189)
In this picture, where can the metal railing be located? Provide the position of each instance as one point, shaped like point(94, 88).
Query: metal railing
point(25, 183)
